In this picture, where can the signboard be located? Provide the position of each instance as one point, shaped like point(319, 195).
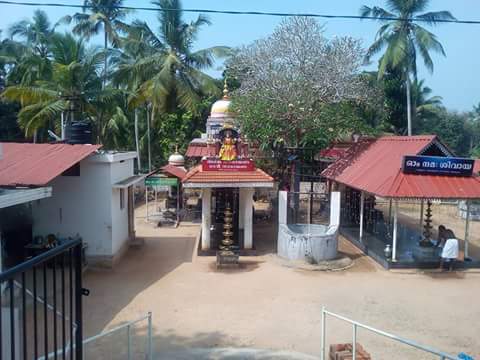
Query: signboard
point(234, 165)
point(160, 181)
point(437, 165)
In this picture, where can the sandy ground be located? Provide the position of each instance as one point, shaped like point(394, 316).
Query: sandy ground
point(269, 306)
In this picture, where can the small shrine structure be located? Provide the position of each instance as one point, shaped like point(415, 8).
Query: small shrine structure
point(380, 178)
point(227, 177)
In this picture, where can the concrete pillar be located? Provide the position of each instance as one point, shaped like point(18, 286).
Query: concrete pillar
point(282, 207)
point(206, 217)
point(248, 219)
point(467, 230)
point(395, 225)
point(335, 208)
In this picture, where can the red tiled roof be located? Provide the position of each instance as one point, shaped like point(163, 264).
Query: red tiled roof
point(200, 150)
point(197, 175)
point(334, 151)
point(375, 167)
point(176, 171)
point(38, 164)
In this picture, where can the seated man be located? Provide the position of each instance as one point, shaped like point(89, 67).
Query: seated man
point(450, 249)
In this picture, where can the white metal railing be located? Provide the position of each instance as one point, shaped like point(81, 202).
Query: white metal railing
point(355, 325)
point(128, 326)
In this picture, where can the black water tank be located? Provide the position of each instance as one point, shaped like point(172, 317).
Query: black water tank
point(79, 132)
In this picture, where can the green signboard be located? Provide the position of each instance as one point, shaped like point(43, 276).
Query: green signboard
point(160, 181)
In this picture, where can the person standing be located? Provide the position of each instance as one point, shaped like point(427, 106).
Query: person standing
point(449, 250)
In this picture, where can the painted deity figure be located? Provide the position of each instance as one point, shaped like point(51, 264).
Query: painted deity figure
point(228, 151)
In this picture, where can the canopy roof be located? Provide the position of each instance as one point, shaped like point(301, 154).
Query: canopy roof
point(177, 171)
point(38, 164)
point(375, 166)
point(197, 178)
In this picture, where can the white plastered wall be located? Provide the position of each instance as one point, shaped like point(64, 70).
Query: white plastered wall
point(87, 205)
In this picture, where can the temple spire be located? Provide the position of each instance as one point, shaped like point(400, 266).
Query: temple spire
point(225, 90)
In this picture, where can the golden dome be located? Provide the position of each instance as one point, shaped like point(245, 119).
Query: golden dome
point(222, 107)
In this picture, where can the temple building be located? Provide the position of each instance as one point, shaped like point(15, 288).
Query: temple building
point(227, 177)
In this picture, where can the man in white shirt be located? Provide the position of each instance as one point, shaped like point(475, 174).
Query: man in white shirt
point(450, 250)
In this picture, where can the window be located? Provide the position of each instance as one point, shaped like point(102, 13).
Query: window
point(122, 199)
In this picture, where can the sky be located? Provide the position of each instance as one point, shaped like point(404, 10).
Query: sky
point(455, 78)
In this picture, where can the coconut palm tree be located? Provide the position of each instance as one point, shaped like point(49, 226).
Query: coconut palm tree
point(426, 105)
point(103, 15)
point(74, 82)
point(31, 56)
point(174, 71)
point(403, 38)
point(36, 33)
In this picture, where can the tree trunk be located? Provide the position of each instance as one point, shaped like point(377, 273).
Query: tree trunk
point(62, 125)
point(136, 141)
point(106, 58)
point(409, 105)
point(148, 138)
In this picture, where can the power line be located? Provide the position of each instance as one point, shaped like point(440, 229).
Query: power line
point(233, 12)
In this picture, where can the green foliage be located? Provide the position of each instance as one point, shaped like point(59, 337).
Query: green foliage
point(331, 121)
point(45, 74)
point(451, 127)
point(402, 38)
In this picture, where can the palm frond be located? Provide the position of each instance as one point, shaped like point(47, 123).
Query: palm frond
point(35, 116)
point(425, 39)
point(27, 95)
point(376, 12)
point(205, 58)
point(433, 17)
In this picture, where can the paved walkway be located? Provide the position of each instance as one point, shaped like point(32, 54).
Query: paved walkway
point(267, 306)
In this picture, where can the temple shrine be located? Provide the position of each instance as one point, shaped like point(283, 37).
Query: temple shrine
point(227, 177)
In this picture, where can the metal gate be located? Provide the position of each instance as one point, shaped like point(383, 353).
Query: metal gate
point(41, 306)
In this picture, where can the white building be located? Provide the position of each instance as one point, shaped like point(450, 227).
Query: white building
point(92, 194)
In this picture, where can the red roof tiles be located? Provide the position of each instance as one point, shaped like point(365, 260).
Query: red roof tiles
point(200, 150)
point(176, 171)
point(197, 175)
point(38, 164)
point(375, 167)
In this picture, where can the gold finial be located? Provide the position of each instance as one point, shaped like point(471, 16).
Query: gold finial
point(225, 89)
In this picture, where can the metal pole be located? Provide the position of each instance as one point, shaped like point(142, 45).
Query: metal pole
point(309, 209)
point(322, 354)
point(129, 343)
point(178, 202)
point(395, 223)
point(390, 212)
point(362, 205)
point(467, 229)
point(354, 342)
point(156, 202)
point(146, 200)
point(78, 302)
point(150, 344)
point(149, 115)
point(62, 125)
